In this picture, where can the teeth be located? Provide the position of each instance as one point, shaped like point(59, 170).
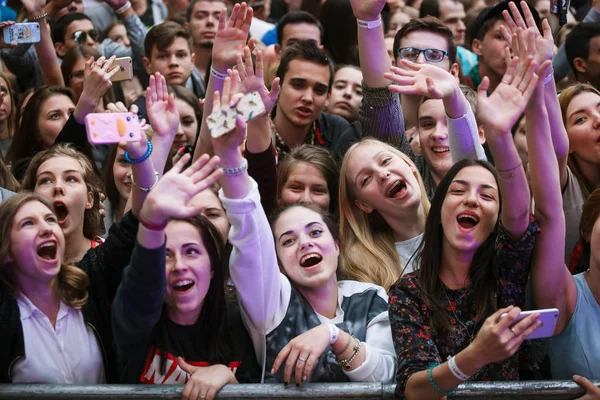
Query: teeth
point(47, 245)
point(440, 150)
point(308, 257)
point(183, 283)
point(469, 217)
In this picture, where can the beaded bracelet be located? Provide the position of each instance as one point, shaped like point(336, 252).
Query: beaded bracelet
point(142, 158)
point(236, 171)
point(346, 363)
point(38, 17)
point(435, 385)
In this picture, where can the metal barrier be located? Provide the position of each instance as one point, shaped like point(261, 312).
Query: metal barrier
point(476, 390)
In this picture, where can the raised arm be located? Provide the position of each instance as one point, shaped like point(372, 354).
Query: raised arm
point(95, 85)
point(229, 42)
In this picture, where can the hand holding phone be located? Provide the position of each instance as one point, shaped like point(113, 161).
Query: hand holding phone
point(105, 128)
point(28, 32)
point(223, 120)
point(125, 69)
point(548, 319)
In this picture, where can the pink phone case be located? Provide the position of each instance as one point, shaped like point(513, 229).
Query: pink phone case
point(112, 127)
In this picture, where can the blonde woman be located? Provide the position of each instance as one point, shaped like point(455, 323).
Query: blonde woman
point(383, 208)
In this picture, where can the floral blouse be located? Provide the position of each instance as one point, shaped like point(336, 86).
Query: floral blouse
point(417, 343)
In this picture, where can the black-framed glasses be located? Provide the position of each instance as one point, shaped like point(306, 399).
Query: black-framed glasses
point(80, 37)
point(431, 55)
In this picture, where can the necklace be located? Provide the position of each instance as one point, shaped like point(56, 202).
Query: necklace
point(470, 335)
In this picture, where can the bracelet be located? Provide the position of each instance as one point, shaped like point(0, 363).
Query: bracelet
point(236, 171)
point(123, 8)
point(150, 226)
point(435, 385)
point(142, 158)
point(217, 74)
point(38, 17)
point(334, 333)
point(347, 344)
point(368, 24)
point(346, 363)
point(549, 78)
point(146, 189)
point(511, 170)
point(455, 370)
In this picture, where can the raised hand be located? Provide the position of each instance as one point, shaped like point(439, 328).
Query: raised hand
point(251, 81)
point(302, 353)
point(171, 196)
point(160, 107)
point(96, 81)
point(500, 111)
point(422, 79)
point(204, 382)
point(3, 25)
point(231, 36)
point(544, 44)
point(367, 10)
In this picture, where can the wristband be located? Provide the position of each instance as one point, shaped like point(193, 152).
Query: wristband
point(455, 370)
point(142, 158)
point(217, 74)
point(548, 78)
point(146, 189)
point(236, 171)
point(151, 226)
point(368, 24)
point(435, 385)
point(38, 17)
point(334, 333)
point(123, 8)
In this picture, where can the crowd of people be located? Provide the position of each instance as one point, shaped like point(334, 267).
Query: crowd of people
point(424, 171)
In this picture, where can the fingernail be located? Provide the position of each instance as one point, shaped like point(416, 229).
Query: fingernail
point(272, 371)
point(304, 378)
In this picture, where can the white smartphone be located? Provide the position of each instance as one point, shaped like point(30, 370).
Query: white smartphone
point(28, 32)
point(222, 121)
point(125, 69)
point(548, 318)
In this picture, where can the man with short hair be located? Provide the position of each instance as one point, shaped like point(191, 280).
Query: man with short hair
point(583, 52)
point(296, 26)
point(203, 21)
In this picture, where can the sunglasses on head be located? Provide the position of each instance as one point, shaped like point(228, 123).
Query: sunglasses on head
point(431, 55)
point(80, 37)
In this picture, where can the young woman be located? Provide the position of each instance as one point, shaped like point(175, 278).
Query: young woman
point(346, 93)
point(308, 174)
point(171, 319)
point(117, 185)
point(7, 115)
point(190, 115)
point(383, 207)
point(303, 316)
point(478, 246)
point(73, 71)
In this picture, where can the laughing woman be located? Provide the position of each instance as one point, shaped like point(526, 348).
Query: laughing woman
point(294, 306)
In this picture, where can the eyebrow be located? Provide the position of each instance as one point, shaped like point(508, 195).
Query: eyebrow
point(361, 171)
point(305, 227)
point(581, 111)
point(484, 186)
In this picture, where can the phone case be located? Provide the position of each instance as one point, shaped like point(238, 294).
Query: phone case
point(223, 121)
point(126, 69)
point(28, 32)
point(548, 317)
point(112, 127)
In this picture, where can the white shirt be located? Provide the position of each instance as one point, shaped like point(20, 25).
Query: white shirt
point(69, 354)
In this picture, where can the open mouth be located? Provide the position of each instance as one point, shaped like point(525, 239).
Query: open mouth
point(47, 251)
point(440, 149)
point(62, 212)
point(183, 285)
point(310, 260)
point(467, 220)
point(304, 110)
point(396, 188)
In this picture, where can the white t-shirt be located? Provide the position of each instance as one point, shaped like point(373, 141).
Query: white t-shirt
point(406, 250)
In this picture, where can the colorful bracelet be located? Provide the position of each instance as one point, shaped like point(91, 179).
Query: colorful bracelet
point(435, 385)
point(346, 363)
point(142, 158)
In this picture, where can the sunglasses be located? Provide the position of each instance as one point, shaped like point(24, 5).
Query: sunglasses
point(431, 55)
point(80, 37)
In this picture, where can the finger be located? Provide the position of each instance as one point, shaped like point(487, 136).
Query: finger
point(300, 364)
point(196, 165)
point(509, 319)
point(113, 72)
point(507, 56)
point(411, 65)
point(108, 63)
point(206, 170)
point(248, 21)
point(531, 85)
point(222, 19)
point(234, 15)
point(235, 82)
point(208, 182)
point(524, 73)
point(240, 132)
point(401, 80)
point(187, 390)
point(178, 167)
point(134, 109)
point(210, 395)
point(516, 14)
point(242, 14)
point(509, 21)
point(259, 64)
point(151, 92)
point(509, 76)
point(216, 101)
point(504, 30)
point(531, 41)
point(283, 354)
point(226, 94)
point(482, 89)
point(432, 89)
point(195, 392)
point(88, 64)
point(547, 29)
point(112, 107)
point(545, 69)
point(290, 363)
point(121, 107)
point(248, 61)
point(240, 66)
point(163, 91)
point(235, 99)
point(496, 316)
point(403, 71)
point(252, 44)
point(310, 364)
point(529, 17)
point(586, 384)
point(274, 93)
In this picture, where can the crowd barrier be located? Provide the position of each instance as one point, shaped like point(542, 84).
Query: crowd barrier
point(476, 390)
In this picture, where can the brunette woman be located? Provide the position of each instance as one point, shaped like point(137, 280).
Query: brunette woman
point(7, 115)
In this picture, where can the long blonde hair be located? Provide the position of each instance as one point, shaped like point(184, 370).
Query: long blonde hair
point(368, 247)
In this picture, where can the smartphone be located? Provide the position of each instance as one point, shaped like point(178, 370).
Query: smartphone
point(28, 32)
point(105, 128)
point(125, 69)
point(250, 106)
point(548, 318)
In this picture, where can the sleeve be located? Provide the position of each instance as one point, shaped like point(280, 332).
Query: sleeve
point(108, 48)
point(139, 301)
point(263, 291)
point(23, 62)
point(415, 348)
point(380, 361)
point(136, 31)
point(107, 262)
point(380, 116)
point(262, 167)
point(464, 138)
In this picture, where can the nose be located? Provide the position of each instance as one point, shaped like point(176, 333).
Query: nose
point(210, 20)
point(177, 264)
point(440, 132)
point(348, 92)
point(421, 58)
point(45, 229)
point(305, 242)
point(306, 197)
point(89, 41)
point(383, 174)
point(179, 130)
point(471, 198)
point(173, 60)
point(461, 26)
point(58, 188)
point(126, 42)
point(307, 96)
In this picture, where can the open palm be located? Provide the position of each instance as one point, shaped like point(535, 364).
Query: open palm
point(251, 81)
point(231, 35)
point(422, 79)
point(160, 107)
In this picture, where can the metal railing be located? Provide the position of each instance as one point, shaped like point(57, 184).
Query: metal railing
point(476, 390)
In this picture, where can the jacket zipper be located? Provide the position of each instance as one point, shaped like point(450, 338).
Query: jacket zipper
point(11, 365)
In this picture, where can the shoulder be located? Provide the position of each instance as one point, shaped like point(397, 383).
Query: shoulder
point(350, 288)
point(405, 287)
point(5, 194)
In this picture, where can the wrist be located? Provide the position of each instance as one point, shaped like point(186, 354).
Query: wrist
point(471, 360)
point(230, 159)
point(150, 217)
point(220, 66)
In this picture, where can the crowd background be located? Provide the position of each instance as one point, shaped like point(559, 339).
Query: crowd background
point(424, 172)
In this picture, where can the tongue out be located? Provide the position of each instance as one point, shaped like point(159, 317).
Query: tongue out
point(398, 187)
point(62, 212)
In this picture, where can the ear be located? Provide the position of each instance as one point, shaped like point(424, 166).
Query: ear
point(476, 47)
point(90, 201)
point(481, 135)
point(277, 49)
point(580, 65)
point(59, 47)
point(363, 206)
point(337, 246)
point(455, 70)
point(148, 66)
point(193, 61)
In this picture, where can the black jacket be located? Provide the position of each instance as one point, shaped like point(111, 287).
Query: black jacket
point(104, 266)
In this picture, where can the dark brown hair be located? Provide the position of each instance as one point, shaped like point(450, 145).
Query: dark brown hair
point(305, 50)
point(70, 59)
point(589, 215)
point(429, 24)
point(163, 35)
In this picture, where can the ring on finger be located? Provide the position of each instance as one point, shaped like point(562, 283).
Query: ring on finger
point(301, 359)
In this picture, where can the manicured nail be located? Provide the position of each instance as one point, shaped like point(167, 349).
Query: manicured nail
point(272, 371)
